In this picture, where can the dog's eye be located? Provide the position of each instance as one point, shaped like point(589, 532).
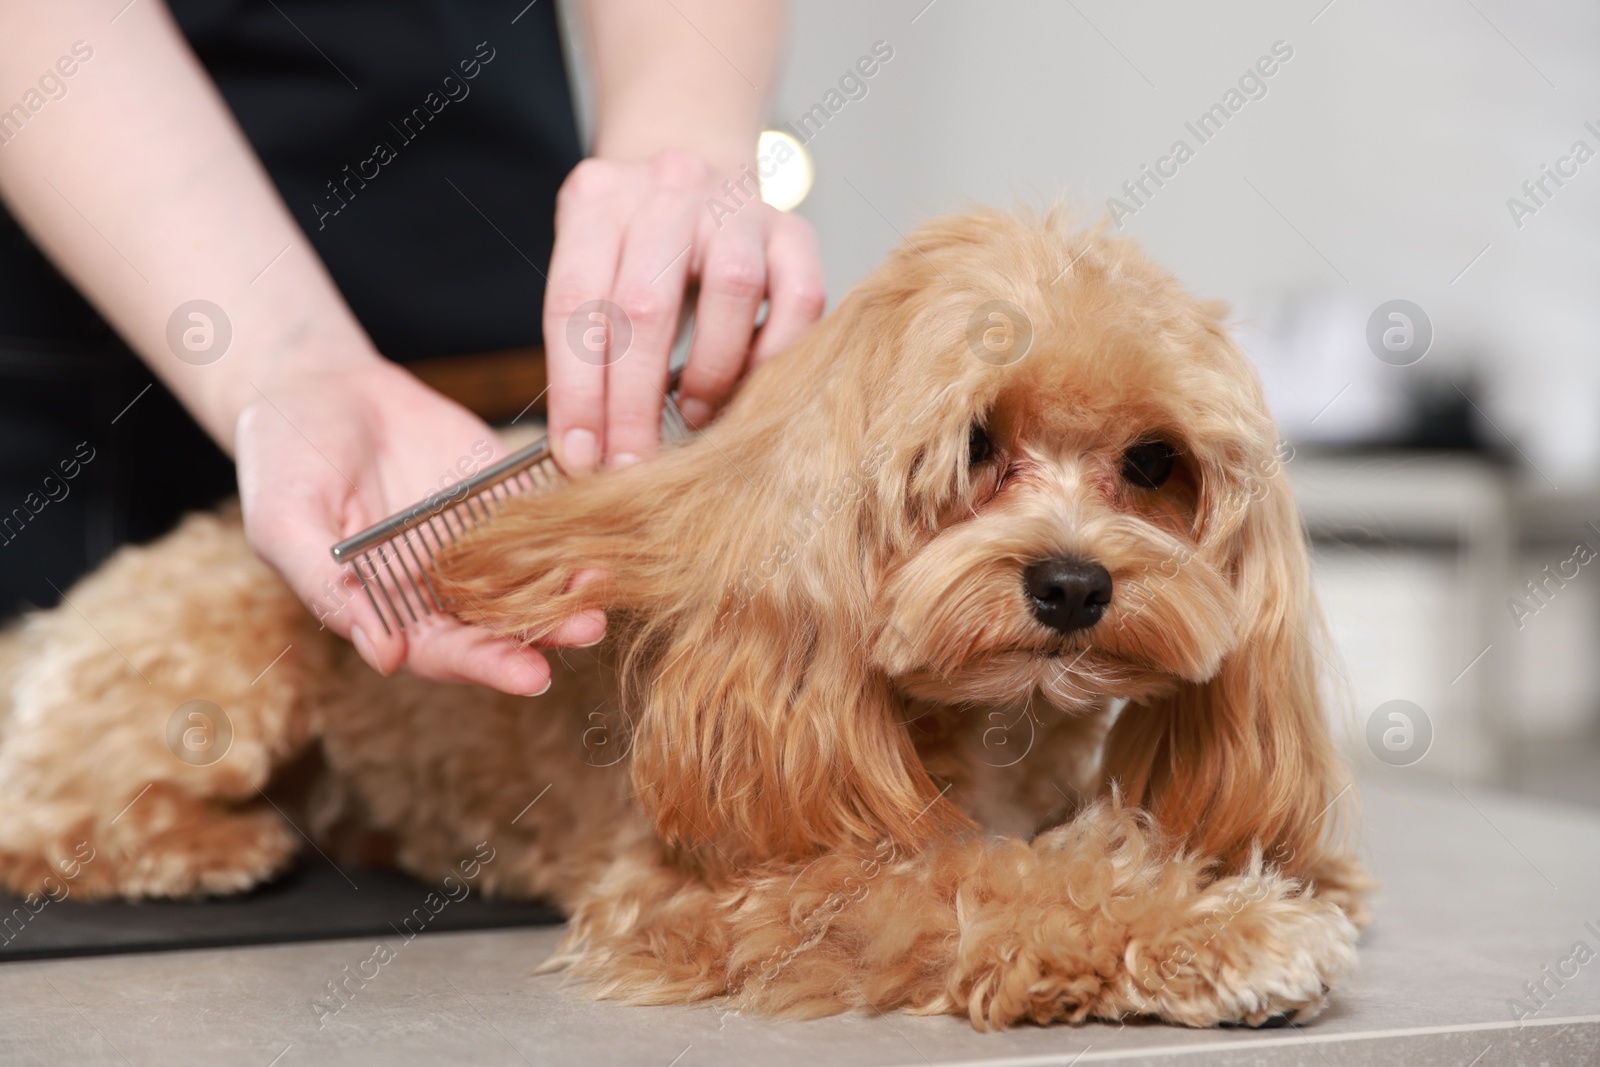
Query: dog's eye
point(1149, 465)
point(978, 446)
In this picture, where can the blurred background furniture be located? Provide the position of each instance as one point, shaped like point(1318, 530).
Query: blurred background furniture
point(1394, 533)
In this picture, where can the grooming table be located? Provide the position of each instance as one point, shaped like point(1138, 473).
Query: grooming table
point(1482, 893)
point(315, 902)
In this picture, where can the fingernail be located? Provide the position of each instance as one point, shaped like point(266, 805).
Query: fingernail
point(623, 459)
point(578, 451)
point(695, 412)
point(364, 648)
point(542, 690)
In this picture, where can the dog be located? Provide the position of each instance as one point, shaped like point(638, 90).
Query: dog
point(964, 665)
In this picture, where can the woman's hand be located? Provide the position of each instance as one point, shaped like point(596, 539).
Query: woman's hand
point(632, 235)
point(325, 454)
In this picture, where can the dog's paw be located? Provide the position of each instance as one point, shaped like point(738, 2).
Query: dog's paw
point(216, 855)
point(1251, 950)
point(1027, 989)
point(187, 850)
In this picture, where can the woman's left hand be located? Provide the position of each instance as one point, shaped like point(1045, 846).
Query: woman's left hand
point(629, 238)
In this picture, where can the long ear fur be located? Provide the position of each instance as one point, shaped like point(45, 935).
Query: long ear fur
point(738, 569)
point(1245, 759)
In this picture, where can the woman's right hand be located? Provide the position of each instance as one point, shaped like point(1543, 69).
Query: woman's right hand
point(325, 454)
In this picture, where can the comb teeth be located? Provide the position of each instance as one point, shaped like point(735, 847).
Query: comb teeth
point(394, 559)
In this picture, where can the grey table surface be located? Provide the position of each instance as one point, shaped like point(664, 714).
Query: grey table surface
point(1482, 892)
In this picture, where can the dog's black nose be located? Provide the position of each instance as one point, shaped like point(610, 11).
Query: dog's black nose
point(1067, 594)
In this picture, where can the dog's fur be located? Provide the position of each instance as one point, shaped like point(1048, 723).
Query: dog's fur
point(827, 756)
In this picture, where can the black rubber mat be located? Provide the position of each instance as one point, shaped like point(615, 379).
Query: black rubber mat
point(313, 903)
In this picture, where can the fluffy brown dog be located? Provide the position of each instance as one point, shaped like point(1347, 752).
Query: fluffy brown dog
point(963, 666)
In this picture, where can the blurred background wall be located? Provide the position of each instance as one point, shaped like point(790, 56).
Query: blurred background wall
point(1375, 163)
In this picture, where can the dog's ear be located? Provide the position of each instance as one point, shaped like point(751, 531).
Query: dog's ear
point(517, 573)
point(1244, 759)
point(737, 569)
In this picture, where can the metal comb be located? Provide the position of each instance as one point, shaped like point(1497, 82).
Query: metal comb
point(396, 555)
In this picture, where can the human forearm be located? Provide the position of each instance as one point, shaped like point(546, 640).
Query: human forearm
point(140, 187)
point(690, 75)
